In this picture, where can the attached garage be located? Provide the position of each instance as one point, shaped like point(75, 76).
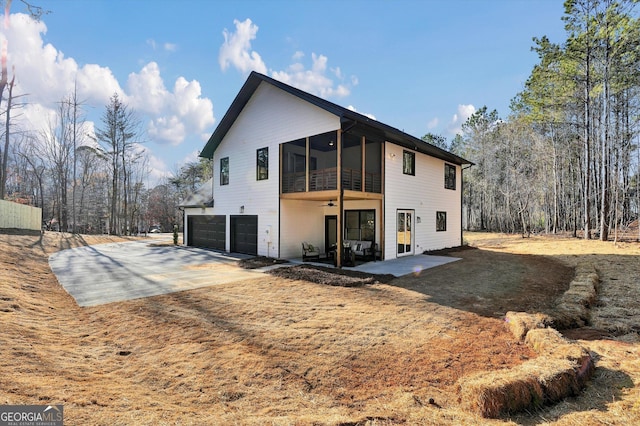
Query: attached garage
point(207, 231)
point(244, 234)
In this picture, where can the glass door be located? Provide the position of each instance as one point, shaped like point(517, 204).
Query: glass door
point(330, 233)
point(404, 232)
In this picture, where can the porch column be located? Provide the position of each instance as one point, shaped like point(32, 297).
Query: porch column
point(339, 235)
point(307, 161)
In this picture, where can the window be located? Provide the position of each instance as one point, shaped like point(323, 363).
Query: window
point(224, 171)
point(360, 225)
point(262, 158)
point(441, 221)
point(449, 176)
point(408, 163)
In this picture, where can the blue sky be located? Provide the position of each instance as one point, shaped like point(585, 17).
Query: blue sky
point(420, 66)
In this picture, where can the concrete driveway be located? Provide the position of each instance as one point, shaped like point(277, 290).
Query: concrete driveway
point(114, 272)
point(105, 273)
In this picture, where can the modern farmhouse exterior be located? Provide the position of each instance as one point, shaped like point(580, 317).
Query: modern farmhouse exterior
point(277, 155)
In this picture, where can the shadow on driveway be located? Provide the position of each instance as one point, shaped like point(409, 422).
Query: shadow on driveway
point(105, 273)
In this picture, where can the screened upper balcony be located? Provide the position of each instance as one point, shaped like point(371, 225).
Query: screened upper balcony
point(311, 164)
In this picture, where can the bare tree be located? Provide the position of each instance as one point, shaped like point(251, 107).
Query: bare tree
point(57, 143)
point(7, 135)
point(36, 12)
point(118, 137)
point(26, 150)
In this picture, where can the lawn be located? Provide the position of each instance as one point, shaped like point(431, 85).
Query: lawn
point(280, 351)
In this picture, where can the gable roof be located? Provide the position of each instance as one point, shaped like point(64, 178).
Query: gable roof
point(348, 118)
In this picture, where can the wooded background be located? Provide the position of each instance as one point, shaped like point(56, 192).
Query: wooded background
point(565, 159)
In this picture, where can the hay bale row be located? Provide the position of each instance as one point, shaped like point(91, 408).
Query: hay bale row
point(572, 309)
point(561, 370)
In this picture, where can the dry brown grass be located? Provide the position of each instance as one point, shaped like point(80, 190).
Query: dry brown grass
point(277, 351)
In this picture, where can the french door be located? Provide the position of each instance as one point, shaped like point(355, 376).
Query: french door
point(405, 232)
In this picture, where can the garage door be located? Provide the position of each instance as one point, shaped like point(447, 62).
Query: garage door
point(207, 231)
point(244, 234)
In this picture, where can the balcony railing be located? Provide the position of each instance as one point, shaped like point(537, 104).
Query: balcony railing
point(326, 179)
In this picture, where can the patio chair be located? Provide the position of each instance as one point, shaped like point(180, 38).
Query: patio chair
point(309, 252)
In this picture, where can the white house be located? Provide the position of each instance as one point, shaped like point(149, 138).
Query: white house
point(277, 155)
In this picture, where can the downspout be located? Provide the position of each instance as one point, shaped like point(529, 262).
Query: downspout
point(462, 169)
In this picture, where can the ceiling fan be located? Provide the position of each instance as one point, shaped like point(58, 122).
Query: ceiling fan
point(329, 204)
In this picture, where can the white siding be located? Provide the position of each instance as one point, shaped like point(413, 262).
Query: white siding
point(425, 194)
point(302, 221)
point(271, 117)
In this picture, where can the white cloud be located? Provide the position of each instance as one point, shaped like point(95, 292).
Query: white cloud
point(167, 129)
point(433, 123)
point(146, 91)
point(352, 108)
point(236, 49)
point(46, 75)
point(169, 47)
point(314, 80)
point(174, 114)
point(459, 118)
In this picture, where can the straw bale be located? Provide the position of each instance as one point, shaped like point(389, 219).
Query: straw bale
point(586, 268)
point(580, 292)
point(544, 380)
point(572, 308)
point(544, 340)
point(570, 316)
point(519, 323)
point(547, 341)
point(558, 379)
point(496, 393)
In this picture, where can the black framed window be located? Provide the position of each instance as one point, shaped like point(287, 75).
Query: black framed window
point(449, 176)
point(224, 171)
point(360, 225)
point(441, 221)
point(262, 161)
point(409, 163)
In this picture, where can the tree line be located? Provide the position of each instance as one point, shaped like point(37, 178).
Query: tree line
point(91, 180)
point(84, 181)
point(566, 159)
